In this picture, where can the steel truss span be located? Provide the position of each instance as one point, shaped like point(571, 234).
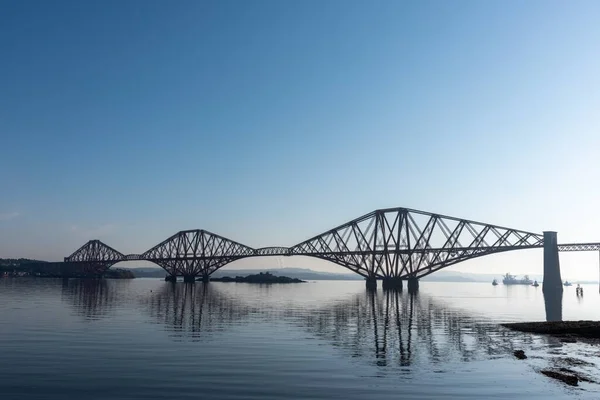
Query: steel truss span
point(579, 247)
point(404, 243)
point(397, 243)
point(94, 258)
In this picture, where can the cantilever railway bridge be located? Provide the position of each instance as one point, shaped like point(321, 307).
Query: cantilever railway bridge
point(392, 244)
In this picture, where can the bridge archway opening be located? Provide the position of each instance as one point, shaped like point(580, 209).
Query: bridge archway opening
point(127, 264)
point(516, 262)
point(280, 263)
point(141, 268)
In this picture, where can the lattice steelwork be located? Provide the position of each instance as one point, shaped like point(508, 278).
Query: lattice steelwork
point(95, 250)
point(94, 258)
point(272, 251)
point(196, 252)
point(389, 243)
point(579, 247)
point(403, 243)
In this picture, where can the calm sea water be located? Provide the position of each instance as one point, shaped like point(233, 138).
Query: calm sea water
point(149, 339)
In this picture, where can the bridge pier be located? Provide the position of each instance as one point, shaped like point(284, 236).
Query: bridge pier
point(552, 279)
point(170, 278)
point(392, 284)
point(189, 278)
point(371, 283)
point(205, 278)
point(553, 305)
point(413, 285)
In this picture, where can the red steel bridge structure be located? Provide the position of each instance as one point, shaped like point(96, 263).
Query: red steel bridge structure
point(391, 245)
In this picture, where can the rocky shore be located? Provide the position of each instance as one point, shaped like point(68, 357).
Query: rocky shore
point(562, 369)
point(583, 329)
point(568, 370)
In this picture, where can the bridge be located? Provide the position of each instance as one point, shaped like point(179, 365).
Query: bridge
point(392, 245)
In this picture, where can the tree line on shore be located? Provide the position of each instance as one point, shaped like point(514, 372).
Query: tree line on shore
point(28, 267)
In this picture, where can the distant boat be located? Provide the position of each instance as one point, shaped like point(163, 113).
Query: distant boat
point(535, 284)
point(512, 280)
point(567, 283)
point(495, 282)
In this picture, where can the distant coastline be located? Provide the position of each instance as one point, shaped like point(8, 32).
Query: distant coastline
point(28, 267)
point(22, 267)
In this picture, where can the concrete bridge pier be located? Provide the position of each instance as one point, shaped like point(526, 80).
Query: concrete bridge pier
point(371, 283)
point(413, 285)
point(170, 278)
point(205, 278)
point(189, 278)
point(553, 305)
point(552, 279)
point(392, 284)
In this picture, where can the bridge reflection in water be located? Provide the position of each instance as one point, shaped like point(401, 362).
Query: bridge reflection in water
point(92, 298)
point(389, 328)
point(403, 329)
point(193, 311)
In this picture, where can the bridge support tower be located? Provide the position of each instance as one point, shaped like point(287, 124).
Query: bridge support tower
point(552, 279)
point(371, 283)
point(189, 278)
point(205, 278)
point(413, 285)
point(392, 284)
point(171, 278)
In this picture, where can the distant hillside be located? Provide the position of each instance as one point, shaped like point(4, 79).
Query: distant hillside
point(148, 272)
point(308, 274)
point(16, 263)
point(297, 273)
point(10, 264)
point(456, 276)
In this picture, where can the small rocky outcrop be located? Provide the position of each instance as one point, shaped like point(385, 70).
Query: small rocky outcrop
point(520, 354)
point(265, 277)
point(563, 376)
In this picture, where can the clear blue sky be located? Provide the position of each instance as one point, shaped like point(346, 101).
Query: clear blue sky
point(272, 121)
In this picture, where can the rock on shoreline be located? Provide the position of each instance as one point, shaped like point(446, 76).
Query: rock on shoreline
point(569, 379)
point(562, 368)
